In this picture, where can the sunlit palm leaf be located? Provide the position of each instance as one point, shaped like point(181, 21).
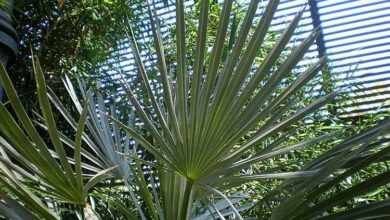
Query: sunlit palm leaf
point(211, 117)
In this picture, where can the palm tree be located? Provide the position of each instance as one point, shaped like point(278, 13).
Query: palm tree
point(196, 131)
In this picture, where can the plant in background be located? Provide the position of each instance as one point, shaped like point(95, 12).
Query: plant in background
point(72, 37)
point(210, 115)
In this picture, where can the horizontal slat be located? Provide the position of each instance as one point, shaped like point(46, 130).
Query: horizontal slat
point(373, 39)
point(376, 74)
point(358, 34)
point(379, 51)
point(384, 108)
point(349, 6)
point(365, 68)
point(367, 102)
point(362, 62)
point(362, 27)
point(327, 3)
point(374, 96)
point(335, 52)
point(366, 82)
point(354, 21)
point(350, 15)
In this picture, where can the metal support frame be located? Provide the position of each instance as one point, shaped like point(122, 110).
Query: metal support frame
point(327, 86)
point(317, 23)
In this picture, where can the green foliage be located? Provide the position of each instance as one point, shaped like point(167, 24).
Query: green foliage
point(227, 116)
point(73, 37)
point(63, 32)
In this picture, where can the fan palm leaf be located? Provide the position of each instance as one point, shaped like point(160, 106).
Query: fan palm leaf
point(204, 116)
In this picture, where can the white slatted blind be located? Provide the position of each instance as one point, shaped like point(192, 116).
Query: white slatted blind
point(356, 36)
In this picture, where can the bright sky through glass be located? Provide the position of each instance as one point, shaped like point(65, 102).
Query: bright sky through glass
point(357, 37)
point(356, 34)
